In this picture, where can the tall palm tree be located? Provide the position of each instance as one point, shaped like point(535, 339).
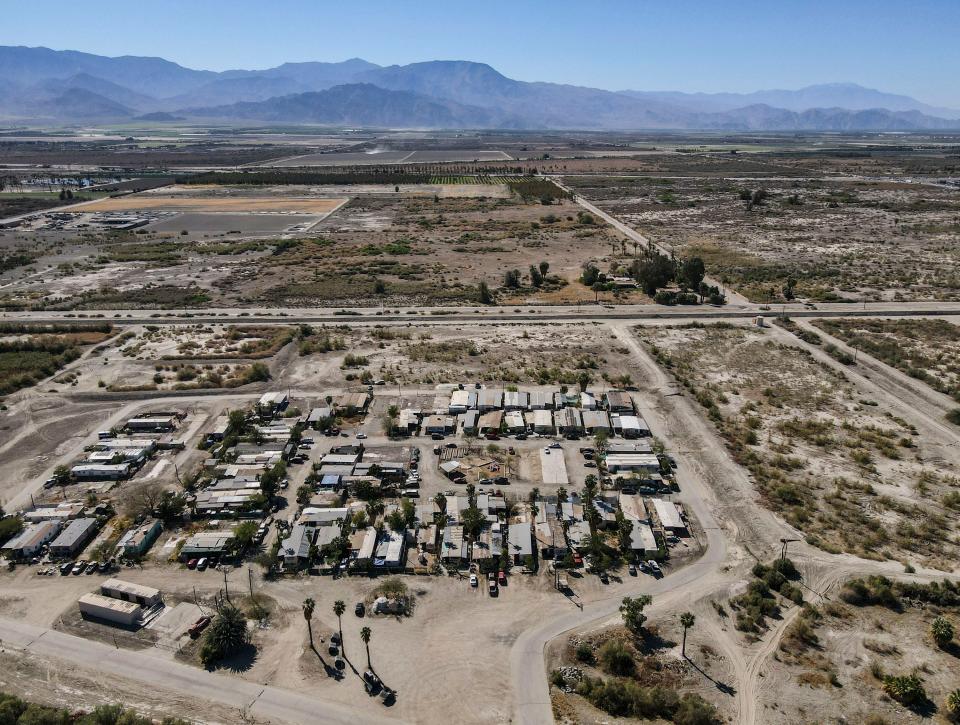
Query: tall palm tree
point(365, 636)
point(308, 607)
point(687, 620)
point(339, 608)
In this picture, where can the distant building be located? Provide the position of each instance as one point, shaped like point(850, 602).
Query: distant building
point(272, 402)
point(542, 421)
point(489, 400)
point(619, 402)
point(108, 609)
point(73, 538)
point(30, 541)
point(138, 540)
point(158, 424)
point(567, 421)
point(206, 544)
point(130, 592)
point(595, 421)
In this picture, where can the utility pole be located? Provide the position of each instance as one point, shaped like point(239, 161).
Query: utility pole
point(250, 580)
point(226, 590)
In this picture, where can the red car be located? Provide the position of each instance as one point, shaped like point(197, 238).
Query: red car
point(502, 577)
point(198, 627)
point(192, 564)
point(577, 559)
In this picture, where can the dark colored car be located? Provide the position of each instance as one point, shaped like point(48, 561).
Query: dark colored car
point(360, 609)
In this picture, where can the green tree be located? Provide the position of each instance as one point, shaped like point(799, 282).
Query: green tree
point(942, 631)
point(236, 422)
point(62, 475)
point(632, 611)
point(544, 268)
point(536, 279)
point(653, 271)
point(511, 279)
point(687, 620)
point(304, 492)
point(484, 295)
point(226, 634)
point(308, 606)
point(692, 272)
point(365, 637)
point(244, 534)
point(339, 608)
point(590, 274)
point(788, 288)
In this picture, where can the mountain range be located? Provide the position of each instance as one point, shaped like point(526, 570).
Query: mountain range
point(63, 87)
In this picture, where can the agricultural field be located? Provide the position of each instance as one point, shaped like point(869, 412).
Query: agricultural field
point(845, 470)
point(455, 245)
point(776, 238)
point(925, 349)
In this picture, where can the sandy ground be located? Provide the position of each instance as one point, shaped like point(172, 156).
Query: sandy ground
point(136, 202)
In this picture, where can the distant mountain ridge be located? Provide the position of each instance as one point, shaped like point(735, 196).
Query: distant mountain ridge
point(39, 84)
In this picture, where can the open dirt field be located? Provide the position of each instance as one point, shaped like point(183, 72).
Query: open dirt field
point(928, 350)
point(835, 659)
point(246, 204)
point(262, 223)
point(836, 239)
point(845, 469)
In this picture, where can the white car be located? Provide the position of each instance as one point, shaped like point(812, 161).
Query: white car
point(361, 435)
point(474, 582)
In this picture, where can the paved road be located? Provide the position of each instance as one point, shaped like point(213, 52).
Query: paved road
point(482, 315)
point(531, 690)
point(263, 702)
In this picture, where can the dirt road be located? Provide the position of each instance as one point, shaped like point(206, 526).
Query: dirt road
point(180, 680)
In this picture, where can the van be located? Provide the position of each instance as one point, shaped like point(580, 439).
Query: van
point(105, 435)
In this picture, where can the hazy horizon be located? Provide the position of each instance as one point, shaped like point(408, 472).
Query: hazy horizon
point(907, 50)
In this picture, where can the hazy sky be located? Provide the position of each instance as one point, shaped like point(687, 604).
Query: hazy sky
point(910, 46)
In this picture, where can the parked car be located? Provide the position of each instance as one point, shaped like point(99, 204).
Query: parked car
point(632, 569)
point(197, 627)
point(492, 437)
point(577, 558)
point(436, 436)
point(654, 568)
point(492, 585)
point(91, 568)
point(474, 582)
point(521, 436)
point(192, 564)
point(555, 444)
point(66, 567)
point(589, 464)
point(360, 609)
point(502, 577)
point(361, 435)
point(451, 445)
point(202, 564)
point(79, 567)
